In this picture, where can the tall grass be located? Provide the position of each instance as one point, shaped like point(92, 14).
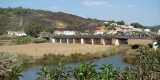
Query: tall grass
point(75, 57)
point(116, 50)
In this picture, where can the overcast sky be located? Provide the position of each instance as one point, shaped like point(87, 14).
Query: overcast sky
point(146, 12)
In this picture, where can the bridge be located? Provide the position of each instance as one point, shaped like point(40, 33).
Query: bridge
point(132, 37)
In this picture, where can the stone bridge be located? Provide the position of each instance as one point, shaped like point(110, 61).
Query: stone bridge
point(132, 38)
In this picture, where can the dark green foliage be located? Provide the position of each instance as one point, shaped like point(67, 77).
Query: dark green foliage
point(49, 29)
point(1, 33)
point(5, 38)
point(111, 27)
point(33, 29)
point(120, 23)
point(20, 40)
point(137, 25)
point(107, 25)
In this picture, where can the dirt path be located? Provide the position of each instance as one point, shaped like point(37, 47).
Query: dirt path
point(55, 48)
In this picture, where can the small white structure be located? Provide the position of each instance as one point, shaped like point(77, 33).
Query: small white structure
point(147, 30)
point(158, 32)
point(131, 27)
point(114, 24)
point(19, 33)
point(10, 33)
point(68, 32)
point(98, 32)
point(106, 22)
point(58, 32)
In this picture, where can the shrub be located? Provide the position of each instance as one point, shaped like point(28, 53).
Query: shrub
point(21, 40)
point(10, 60)
point(39, 40)
point(5, 38)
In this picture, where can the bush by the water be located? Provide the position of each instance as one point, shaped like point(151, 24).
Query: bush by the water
point(10, 60)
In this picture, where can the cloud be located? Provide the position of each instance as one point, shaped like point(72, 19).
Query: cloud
point(94, 3)
point(131, 6)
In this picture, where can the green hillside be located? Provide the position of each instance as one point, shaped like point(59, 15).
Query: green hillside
point(17, 18)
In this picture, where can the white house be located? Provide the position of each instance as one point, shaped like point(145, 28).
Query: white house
point(147, 30)
point(58, 32)
point(98, 32)
point(19, 33)
point(112, 32)
point(69, 33)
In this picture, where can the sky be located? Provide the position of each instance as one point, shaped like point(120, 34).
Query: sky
point(146, 12)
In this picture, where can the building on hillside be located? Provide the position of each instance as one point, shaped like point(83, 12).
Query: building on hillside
point(131, 27)
point(106, 22)
point(58, 32)
point(124, 26)
point(114, 24)
point(137, 29)
point(111, 32)
point(97, 32)
point(69, 32)
point(147, 30)
point(18, 33)
point(10, 33)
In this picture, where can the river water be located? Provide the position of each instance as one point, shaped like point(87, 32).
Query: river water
point(29, 70)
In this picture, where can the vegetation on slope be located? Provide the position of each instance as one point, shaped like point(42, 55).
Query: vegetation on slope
point(17, 18)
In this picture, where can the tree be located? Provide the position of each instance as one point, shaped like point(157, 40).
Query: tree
point(33, 29)
point(1, 33)
point(49, 29)
point(137, 25)
point(120, 23)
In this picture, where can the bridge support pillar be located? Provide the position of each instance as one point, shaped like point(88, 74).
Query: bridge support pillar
point(92, 40)
point(60, 40)
point(74, 41)
point(155, 46)
point(116, 42)
point(53, 40)
point(82, 41)
point(67, 40)
point(103, 41)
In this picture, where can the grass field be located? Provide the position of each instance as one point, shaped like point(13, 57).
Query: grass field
point(38, 50)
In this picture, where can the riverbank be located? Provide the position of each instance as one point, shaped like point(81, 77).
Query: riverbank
point(8, 58)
